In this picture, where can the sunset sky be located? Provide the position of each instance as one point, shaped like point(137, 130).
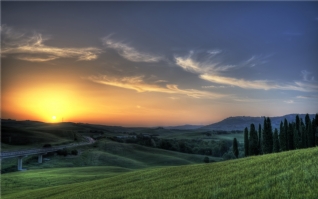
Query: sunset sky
point(157, 63)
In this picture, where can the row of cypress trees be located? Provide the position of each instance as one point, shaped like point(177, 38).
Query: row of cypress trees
point(292, 135)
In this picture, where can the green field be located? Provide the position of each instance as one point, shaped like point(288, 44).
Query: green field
point(110, 153)
point(292, 174)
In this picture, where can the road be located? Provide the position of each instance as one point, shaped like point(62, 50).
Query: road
point(12, 154)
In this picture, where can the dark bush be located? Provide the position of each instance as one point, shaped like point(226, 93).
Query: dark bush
point(62, 152)
point(74, 152)
point(47, 146)
point(206, 160)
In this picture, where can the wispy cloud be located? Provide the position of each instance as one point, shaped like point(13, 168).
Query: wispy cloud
point(306, 75)
point(138, 84)
point(289, 101)
point(307, 97)
point(214, 52)
point(257, 84)
point(129, 52)
point(256, 60)
point(214, 72)
point(191, 65)
point(23, 45)
point(36, 59)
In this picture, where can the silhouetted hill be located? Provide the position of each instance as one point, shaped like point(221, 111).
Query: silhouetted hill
point(184, 127)
point(240, 122)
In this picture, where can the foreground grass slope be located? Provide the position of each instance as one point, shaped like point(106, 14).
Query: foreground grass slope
point(292, 174)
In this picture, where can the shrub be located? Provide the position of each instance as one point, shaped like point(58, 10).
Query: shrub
point(74, 152)
point(47, 146)
point(206, 159)
point(62, 152)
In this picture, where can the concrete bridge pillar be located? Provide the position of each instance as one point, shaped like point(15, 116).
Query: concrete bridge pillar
point(40, 158)
point(20, 163)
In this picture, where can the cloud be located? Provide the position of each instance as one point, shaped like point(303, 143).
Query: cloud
point(302, 97)
point(258, 84)
point(138, 84)
point(130, 53)
point(289, 101)
point(306, 76)
point(307, 97)
point(214, 72)
point(214, 52)
point(256, 60)
point(189, 64)
point(36, 59)
point(25, 45)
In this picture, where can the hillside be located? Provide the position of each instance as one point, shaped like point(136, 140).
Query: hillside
point(291, 174)
point(110, 153)
point(240, 122)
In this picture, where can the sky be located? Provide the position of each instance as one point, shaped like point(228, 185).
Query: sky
point(157, 63)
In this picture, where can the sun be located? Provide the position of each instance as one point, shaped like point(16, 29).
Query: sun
point(54, 117)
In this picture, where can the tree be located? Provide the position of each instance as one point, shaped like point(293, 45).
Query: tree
point(303, 134)
point(74, 152)
point(308, 130)
point(310, 135)
point(315, 129)
point(246, 142)
point(290, 134)
point(259, 139)
point(276, 147)
point(206, 159)
point(297, 141)
point(282, 137)
point(286, 134)
point(253, 141)
point(235, 148)
point(267, 136)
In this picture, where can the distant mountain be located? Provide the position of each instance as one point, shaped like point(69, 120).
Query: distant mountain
point(240, 122)
point(184, 127)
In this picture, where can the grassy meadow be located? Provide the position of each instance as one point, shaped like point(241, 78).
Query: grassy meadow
point(292, 174)
point(109, 153)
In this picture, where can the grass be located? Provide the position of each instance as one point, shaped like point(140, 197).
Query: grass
point(17, 138)
point(110, 153)
point(292, 174)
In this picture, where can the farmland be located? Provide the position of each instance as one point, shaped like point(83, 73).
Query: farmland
point(291, 174)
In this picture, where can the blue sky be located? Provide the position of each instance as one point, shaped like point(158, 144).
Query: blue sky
point(161, 63)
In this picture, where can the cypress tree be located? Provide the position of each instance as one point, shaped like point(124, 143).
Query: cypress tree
point(297, 134)
point(282, 137)
point(290, 137)
point(253, 141)
point(246, 150)
point(303, 134)
point(286, 134)
point(267, 137)
point(276, 147)
point(308, 130)
point(297, 141)
point(310, 135)
point(235, 148)
point(259, 139)
point(297, 122)
point(270, 134)
point(315, 129)
point(315, 126)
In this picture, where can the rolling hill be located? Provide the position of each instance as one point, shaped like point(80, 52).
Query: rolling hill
point(291, 174)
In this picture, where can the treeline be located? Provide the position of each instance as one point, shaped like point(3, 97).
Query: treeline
point(291, 135)
point(191, 146)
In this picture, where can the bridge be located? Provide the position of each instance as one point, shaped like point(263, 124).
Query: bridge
point(40, 151)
